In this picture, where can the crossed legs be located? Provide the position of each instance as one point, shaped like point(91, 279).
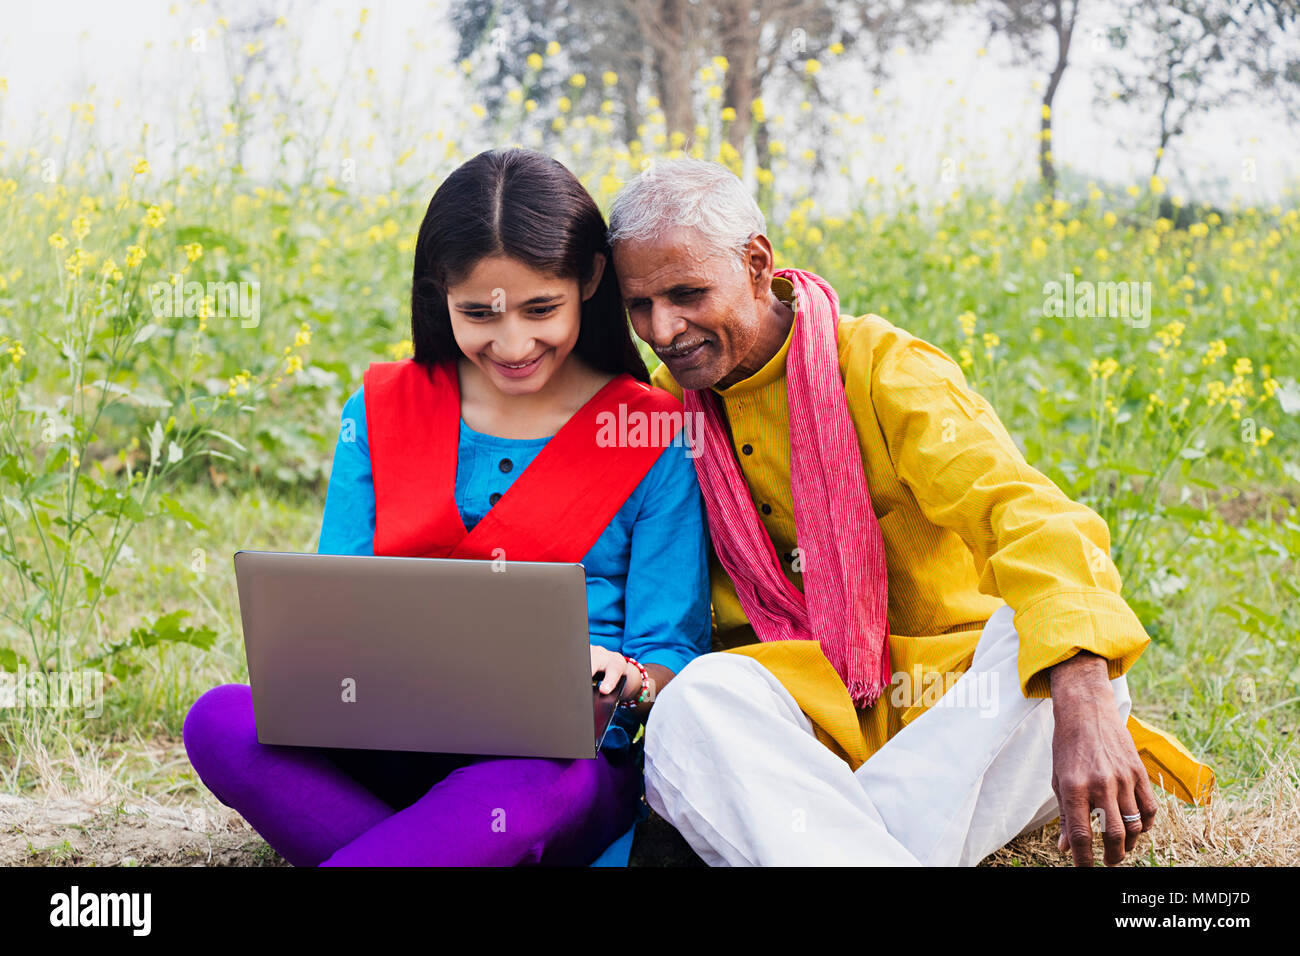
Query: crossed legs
point(434, 809)
point(732, 762)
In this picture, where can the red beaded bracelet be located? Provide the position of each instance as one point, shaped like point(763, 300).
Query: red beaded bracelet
point(645, 686)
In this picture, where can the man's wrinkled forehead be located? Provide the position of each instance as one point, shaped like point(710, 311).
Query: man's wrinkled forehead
point(680, 256)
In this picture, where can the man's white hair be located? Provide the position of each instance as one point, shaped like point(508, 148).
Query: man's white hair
point(693, 193)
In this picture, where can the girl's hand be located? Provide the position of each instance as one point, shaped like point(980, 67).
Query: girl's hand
point(615, 665)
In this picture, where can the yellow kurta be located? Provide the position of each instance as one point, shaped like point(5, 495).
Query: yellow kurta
point(967, 525)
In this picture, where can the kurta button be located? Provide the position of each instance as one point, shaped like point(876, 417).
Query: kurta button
point(767, 509)
point(494, 497)
point(748, 449)
point(506, 464)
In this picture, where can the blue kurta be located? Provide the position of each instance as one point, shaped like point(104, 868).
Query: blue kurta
point(647, 573)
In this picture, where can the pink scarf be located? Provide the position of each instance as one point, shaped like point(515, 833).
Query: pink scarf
point(845, 601)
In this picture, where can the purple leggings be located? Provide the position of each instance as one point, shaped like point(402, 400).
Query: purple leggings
point(335, 807)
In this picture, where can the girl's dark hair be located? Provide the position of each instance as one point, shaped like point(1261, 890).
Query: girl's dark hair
point(525, 205)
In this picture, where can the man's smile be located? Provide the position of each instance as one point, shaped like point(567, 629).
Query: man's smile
point(682, 355)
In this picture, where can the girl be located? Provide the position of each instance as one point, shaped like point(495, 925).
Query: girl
point(522, 350)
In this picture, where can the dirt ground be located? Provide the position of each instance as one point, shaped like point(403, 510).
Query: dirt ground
point(68, 832)
point(109, 825)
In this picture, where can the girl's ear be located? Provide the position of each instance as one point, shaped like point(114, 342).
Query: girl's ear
point(597, 270)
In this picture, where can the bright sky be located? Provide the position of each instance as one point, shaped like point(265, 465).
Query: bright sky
point(53, 52)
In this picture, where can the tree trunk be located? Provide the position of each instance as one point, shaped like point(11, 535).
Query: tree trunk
point(666, 26)
point(740, 47)
point(1063, 25)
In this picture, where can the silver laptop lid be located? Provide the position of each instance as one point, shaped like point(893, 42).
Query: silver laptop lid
point(429, 654)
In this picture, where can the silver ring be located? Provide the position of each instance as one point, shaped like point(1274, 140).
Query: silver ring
point(1129, 818)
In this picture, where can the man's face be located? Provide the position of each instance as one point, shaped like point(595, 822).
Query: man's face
point(699, 311)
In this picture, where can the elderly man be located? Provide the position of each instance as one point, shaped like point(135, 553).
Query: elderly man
point(923, 716)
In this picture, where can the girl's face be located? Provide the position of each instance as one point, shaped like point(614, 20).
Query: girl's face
point(516, 324)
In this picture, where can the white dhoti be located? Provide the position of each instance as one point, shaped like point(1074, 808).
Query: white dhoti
point(733, 764)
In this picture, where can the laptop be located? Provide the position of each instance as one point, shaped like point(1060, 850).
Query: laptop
point(439, 655)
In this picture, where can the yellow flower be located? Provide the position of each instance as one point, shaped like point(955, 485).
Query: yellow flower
point(1214, 351)
point(16, 352)
point(968, 321)
point(303, 337)
point(134, 256)
point(535, 61)
point(1227, 295)
point(609, 78)
point(239, 383)
point(1157, 185)
point(58, 241)
point(722, 63)
point(1046, 111)
point(728, 114)
point(78, 261)
point(811, 66)
point(564, 103)
point(193, 251)
point(1108, 368)
point(757, 108)
point(552, 48)
point(836, 48)
point(991, 340)
point(154, 217)
point(578, 80)
point(1242, 367)
point(1171, 334)
point(1198, 230)
point(80, 227)
point(1262, 439)
point(293, 365)
point(814, 235)
point(1109, 220)
point(141, 167)
point(1037, 247)
point(967, 360)
point(530, 105)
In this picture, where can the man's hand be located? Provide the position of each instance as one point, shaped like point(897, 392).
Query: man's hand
point(1095, 764)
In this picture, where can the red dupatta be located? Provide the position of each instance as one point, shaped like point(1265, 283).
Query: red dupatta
point(554, 511)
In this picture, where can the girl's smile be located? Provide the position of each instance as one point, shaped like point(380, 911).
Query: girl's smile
point(521, 370)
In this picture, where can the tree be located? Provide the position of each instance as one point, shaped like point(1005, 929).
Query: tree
point(1270, 40)
point(1040, 33)
point(659, 44)
point(1174, 56)
point(1189, 57)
